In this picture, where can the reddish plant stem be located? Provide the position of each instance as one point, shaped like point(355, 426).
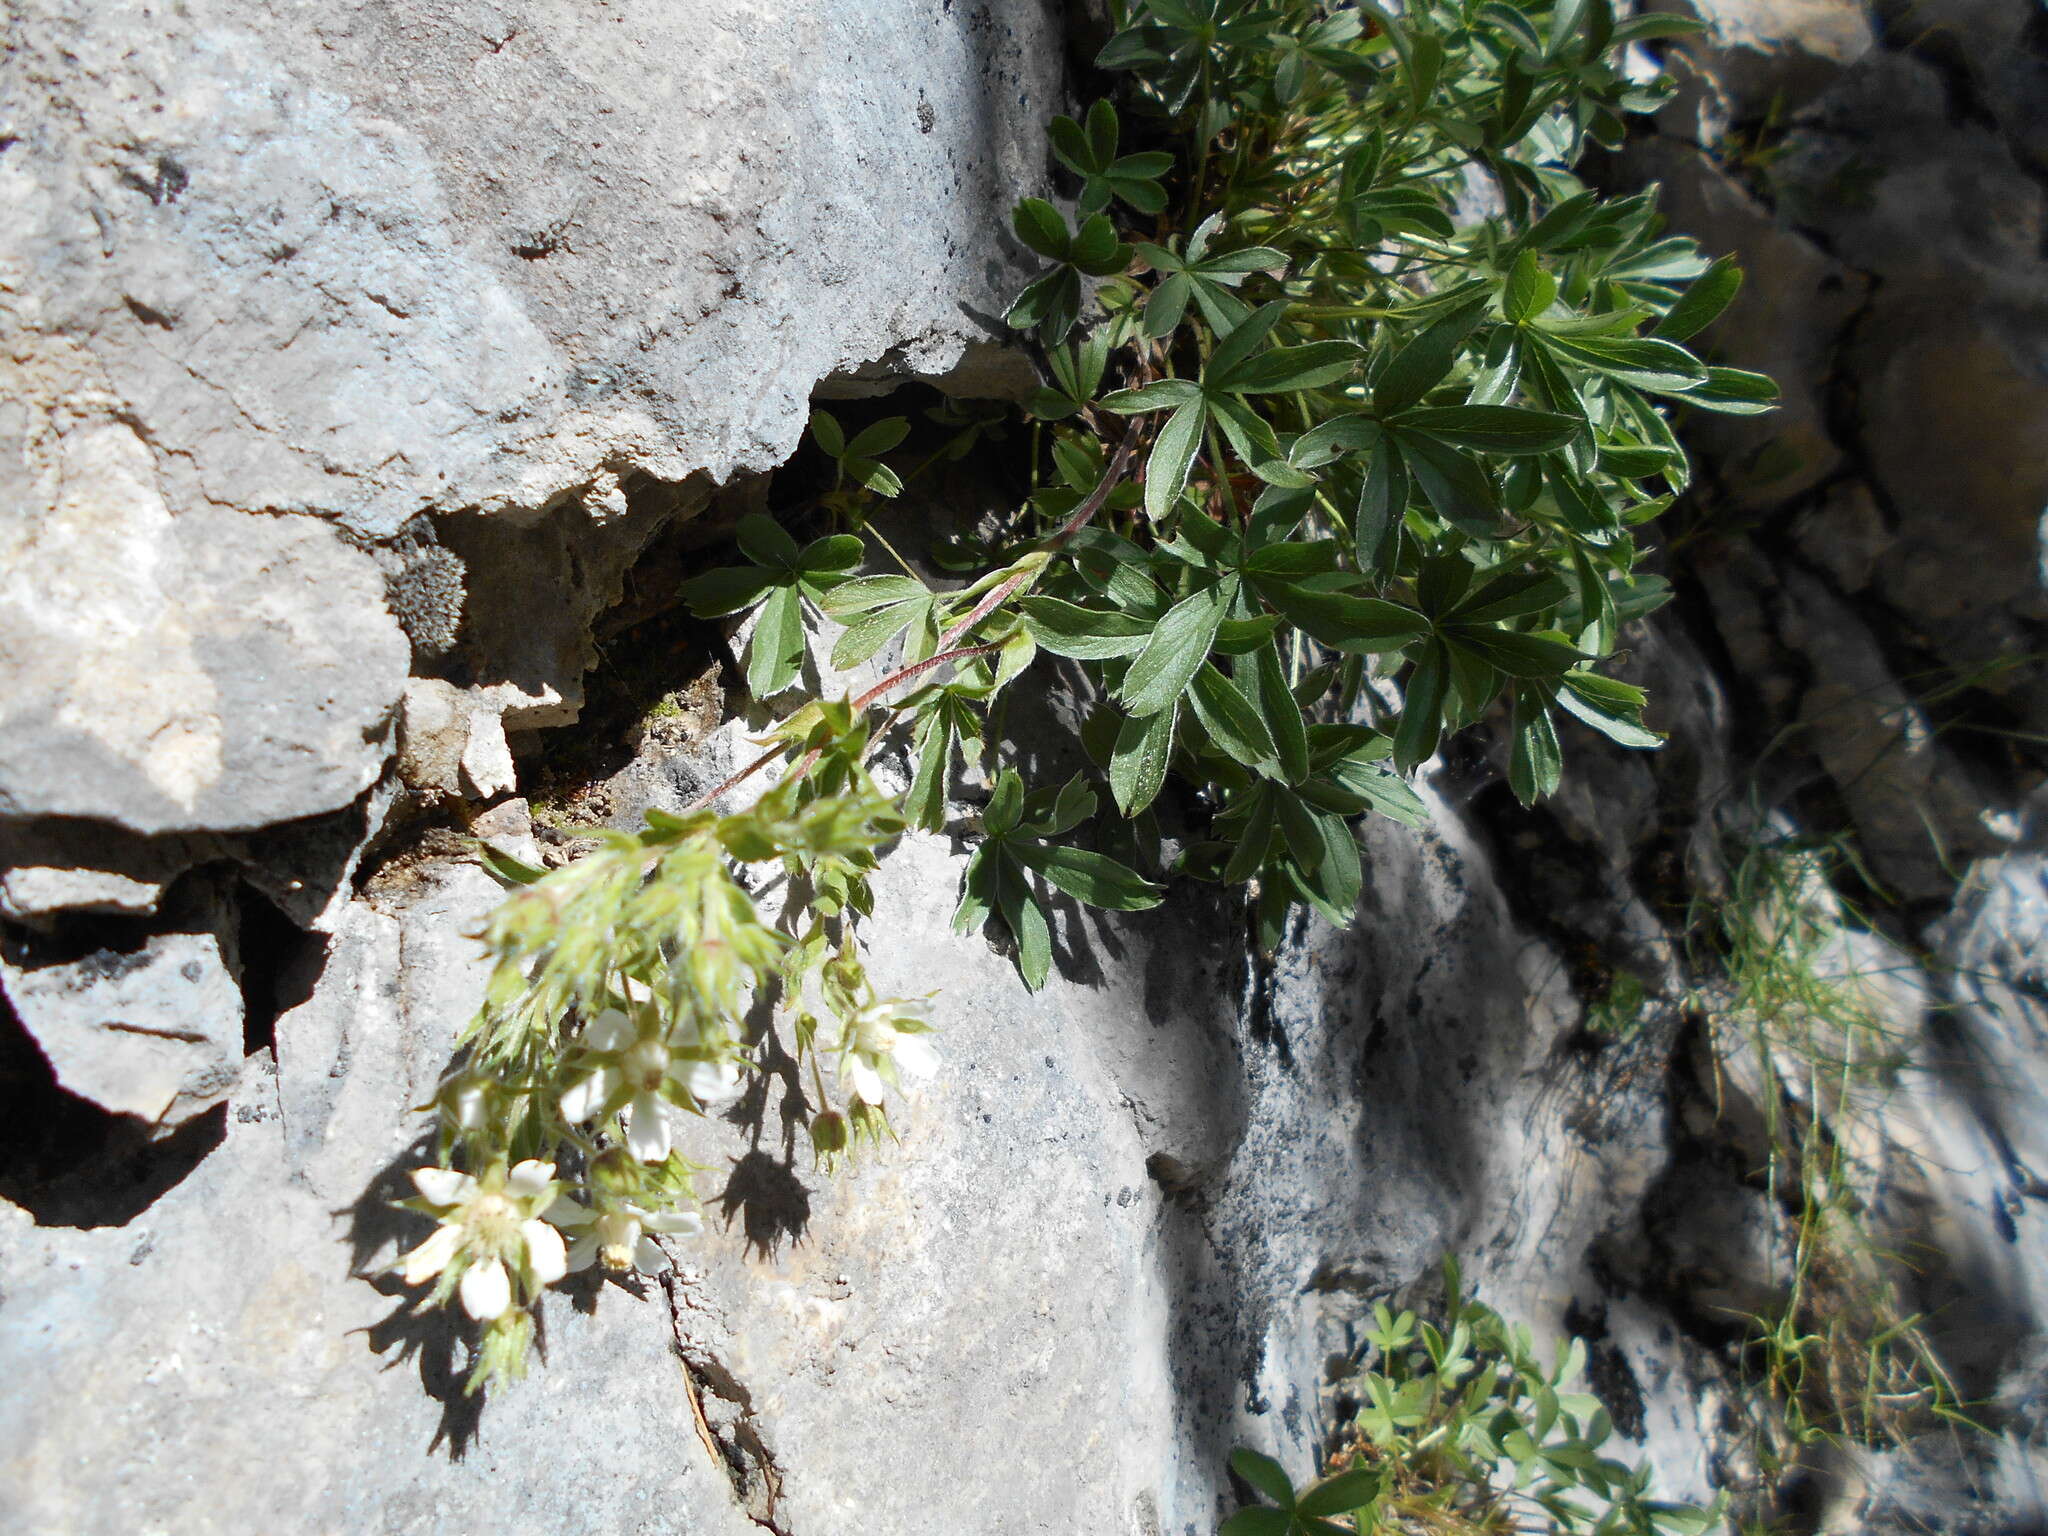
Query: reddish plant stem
point(948, 649)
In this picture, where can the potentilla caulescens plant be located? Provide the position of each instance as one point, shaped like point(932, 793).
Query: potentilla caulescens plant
point(1314, 439)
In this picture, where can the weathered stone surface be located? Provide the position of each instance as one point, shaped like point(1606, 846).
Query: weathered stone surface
point(154, 1031)
point(207, 670)
point(217, 1365)
point(254, 275)
point(542, 248)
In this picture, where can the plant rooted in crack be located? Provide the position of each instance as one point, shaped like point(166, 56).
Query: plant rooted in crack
point(1395, 455)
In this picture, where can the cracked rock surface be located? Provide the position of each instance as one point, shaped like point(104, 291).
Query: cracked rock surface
point(365, 373)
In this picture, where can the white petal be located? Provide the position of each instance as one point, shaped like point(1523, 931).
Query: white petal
point(609, 1031)
point(915, 1055)
point(469, 1106)
point(646, 1129)
point(567, 1213)
point(486, 1290)
point(636, 990)
point(589, 1097)
point(582, 1253)
point(867, 1083)
point(674, 1223)
point(545, 1255)
point(432, 1256)
point(648, 1257)
point(712, 1082)
point(443, 1186)
point(529, 1178)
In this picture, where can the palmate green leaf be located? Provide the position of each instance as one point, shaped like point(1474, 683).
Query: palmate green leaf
point(1050, 305)
point(1137, 766)
point(1178, 645)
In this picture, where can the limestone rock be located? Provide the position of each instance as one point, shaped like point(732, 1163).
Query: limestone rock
point(155, 1031)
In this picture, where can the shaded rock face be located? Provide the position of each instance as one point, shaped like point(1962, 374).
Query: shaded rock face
point(1879, 173)
point(363, 367)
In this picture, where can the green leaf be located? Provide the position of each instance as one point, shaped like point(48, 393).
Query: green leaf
point(1421, 365)
point(866, 633)
point(1173, 455)
point(1732, 392)
point(1264, 683)
point(1518, 655)
point(1282, 369)
point(1178, 645)
point(1536, 763)
point(1530, 290)
point(1702, 302)
point(826, 430)
point(1341, 1494)
point(1005, 806)
point(1137, 766)
point(1160, 395)
point(1357, 625)
point(729, 589)
point(1086, 634)
point(508, 869)
point(1091, 877)
point(1662, 367)
point(1579, 699)
point(838, 552)
point(767, 543)
point(776, 648)
point(1422, 704)
point(1492, 428)
point(880, 438)
point(1264, 1474)
point(1245, 338)
point(1230, 720)
point(1039, 225)
point(1257, 1522)
point(1027, 924)
point(865, 593)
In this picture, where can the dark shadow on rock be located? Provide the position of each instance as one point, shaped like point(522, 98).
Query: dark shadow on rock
point(770, 1202)
point(69, 1163)
point(438, 1340)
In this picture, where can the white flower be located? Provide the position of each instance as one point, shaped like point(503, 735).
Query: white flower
point(632, 1073)
point(493, 1225)
point(620, 1237)
point(875, 1043)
